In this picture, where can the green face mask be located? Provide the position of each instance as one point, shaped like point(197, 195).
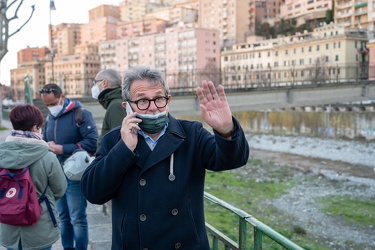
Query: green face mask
point(151, 124)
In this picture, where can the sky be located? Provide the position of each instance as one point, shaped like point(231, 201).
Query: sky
point(35, 32)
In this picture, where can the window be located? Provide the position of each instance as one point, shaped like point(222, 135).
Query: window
point(337, 58)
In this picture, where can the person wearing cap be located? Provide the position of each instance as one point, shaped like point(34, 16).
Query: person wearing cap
point(64, 136)
point(153, 167)
point(107, 90)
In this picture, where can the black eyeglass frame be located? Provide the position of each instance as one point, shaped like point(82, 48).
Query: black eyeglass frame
point(149, 102)
point(47, 91)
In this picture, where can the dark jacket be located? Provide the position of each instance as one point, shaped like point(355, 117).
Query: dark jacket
point(63, 130)
point(45, 170)
point(150, 208)
point(111, 101)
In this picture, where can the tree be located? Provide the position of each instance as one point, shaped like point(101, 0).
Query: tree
point(4, 23)
point(4, 29)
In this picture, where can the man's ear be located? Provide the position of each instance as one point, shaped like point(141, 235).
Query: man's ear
point(105, 84)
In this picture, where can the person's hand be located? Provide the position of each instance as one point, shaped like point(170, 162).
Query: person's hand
point(215, 108)
point(55, 148)
point(129, 130)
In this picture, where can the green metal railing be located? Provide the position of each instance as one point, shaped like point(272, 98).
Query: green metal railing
point(260, 229)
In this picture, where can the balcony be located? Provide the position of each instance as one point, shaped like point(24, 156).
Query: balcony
point(359, 5)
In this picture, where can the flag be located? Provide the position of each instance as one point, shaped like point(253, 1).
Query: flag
point(52, 5)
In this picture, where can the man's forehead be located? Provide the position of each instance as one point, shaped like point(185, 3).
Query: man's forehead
point(143, 88)
point(49, 98)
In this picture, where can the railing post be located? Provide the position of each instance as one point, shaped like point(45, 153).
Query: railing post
point(257, 239)
point(242, 233)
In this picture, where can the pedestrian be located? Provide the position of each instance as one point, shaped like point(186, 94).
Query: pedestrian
point(26, 147)
point(64, 135)
point(107, 90)
point(153, 167)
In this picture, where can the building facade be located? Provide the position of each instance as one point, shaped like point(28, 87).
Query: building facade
point(312, 57)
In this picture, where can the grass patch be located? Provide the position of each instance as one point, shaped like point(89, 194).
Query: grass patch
point(3, 128)
point(352, 210)
point(250, 190)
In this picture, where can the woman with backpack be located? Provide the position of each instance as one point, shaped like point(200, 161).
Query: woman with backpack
point(25, 147)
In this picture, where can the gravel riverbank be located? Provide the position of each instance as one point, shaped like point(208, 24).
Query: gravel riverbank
point(325, 168)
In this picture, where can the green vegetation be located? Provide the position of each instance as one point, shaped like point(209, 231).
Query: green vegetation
point(286, 28)
point(2, 128)
point(352, 210)
point(252, 188)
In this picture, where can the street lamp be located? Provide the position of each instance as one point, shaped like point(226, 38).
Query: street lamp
point(52, 7)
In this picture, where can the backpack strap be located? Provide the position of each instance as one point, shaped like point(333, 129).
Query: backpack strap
point(44, 198)
point(78, 117)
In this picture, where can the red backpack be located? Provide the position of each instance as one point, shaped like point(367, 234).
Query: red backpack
point(19, 205)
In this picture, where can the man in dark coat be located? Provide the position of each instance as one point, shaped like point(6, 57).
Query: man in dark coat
point(107, 89)
point(153, 167)
point(64, 136)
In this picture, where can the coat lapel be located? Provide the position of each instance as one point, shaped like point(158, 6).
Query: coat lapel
point(174, 136)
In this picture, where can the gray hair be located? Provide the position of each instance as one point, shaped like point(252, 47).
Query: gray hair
point(112, 76)
point(153, 76)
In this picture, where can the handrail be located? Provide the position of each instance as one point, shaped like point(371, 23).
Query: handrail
point(259, 229)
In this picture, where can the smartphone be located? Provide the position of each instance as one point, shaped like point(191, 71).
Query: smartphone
point(129, 108)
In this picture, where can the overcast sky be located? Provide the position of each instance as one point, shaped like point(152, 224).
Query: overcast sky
point(35, 33)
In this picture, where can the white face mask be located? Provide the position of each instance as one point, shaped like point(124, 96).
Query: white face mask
point(95, 91)
point(55, 110)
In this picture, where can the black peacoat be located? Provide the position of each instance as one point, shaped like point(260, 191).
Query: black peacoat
point(157, 195)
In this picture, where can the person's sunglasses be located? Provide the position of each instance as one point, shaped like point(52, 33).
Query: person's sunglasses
point(47, 91)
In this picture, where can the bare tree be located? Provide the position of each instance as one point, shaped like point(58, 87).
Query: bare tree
point(4, 29)
point(4, 23)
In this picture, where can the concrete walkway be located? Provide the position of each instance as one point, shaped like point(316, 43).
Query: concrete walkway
point(100, 233)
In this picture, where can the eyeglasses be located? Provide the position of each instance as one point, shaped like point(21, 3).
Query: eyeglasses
point(143, 104)
point(94, 82)
point(43, 90)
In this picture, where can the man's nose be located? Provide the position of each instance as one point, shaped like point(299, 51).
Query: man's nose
point(152, 106)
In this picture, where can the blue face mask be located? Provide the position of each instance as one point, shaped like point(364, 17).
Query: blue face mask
point(152, 124)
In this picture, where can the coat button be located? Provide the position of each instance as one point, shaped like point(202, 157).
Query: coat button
point(142, 217)
point(142, 182)
point(145, 248)
point(174, 211)
point(177, 245)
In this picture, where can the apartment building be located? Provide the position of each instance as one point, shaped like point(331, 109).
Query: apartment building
point(186, 12)
point(179, 49)
point(65, 37)
point(233, 18)
point(75, 72)
point(35, 69)
point(147, 25)
point(32, 54)
point(265, 10)
point(355, 14)
point(305, 10)
point(288, 57)
point(131, 10)
point(102, 25)
point(31, 62)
